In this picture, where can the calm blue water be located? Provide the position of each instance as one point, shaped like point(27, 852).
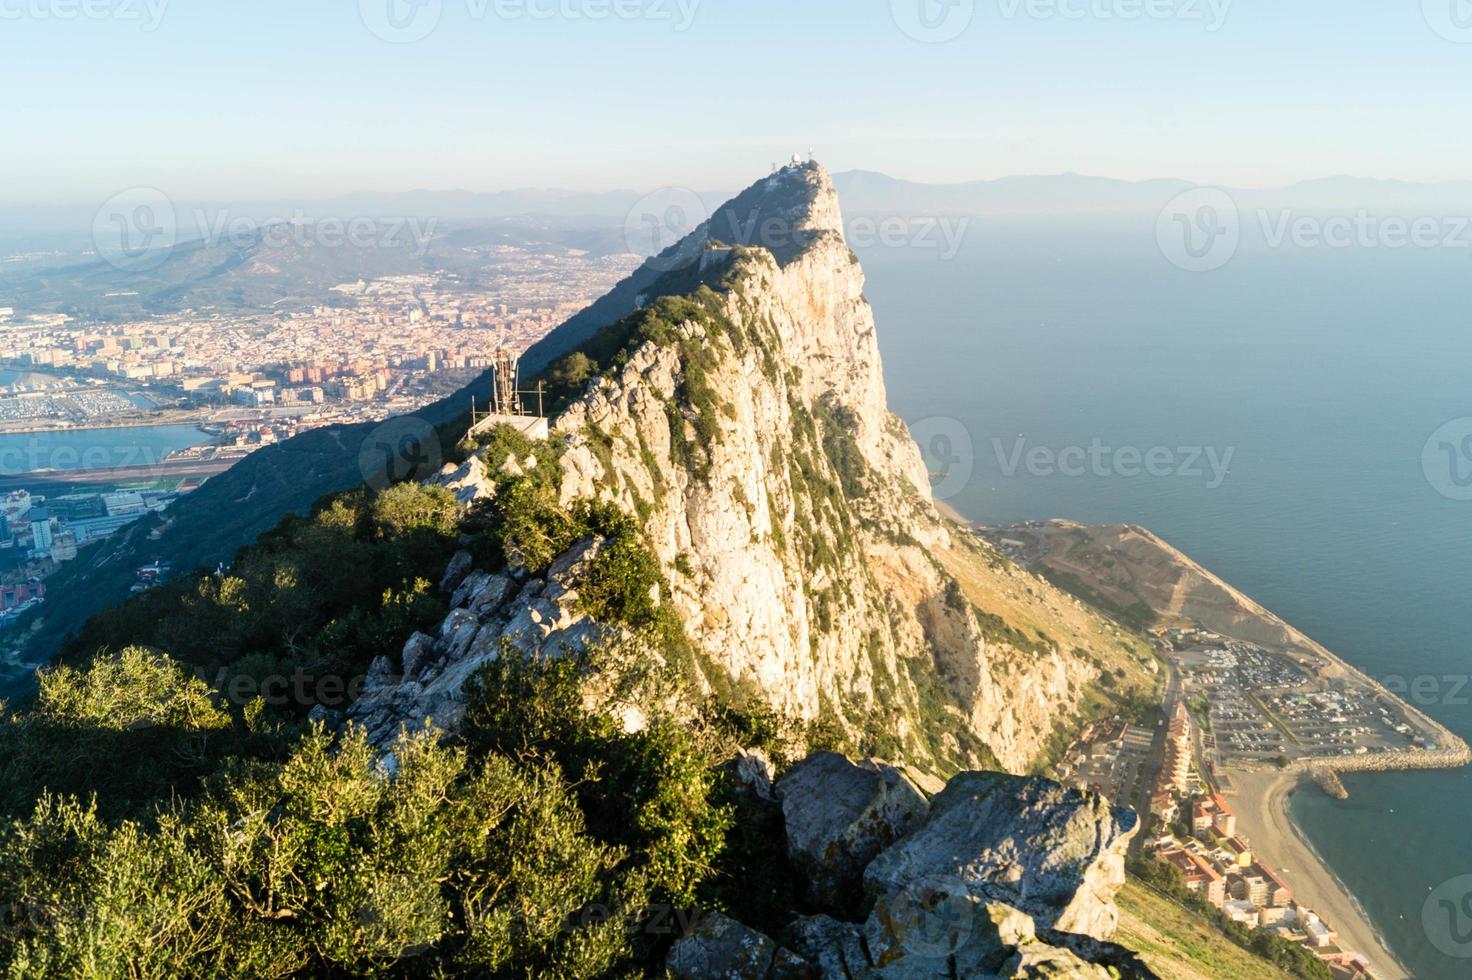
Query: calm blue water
point(1325, 373)
point(95, 448)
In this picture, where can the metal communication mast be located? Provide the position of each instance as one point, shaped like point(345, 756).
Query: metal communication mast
point(505, 383)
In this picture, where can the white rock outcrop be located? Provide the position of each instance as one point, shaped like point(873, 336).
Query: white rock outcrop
point(790, 513)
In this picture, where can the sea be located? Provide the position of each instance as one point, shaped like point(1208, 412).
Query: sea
point(1298, 420)
point(75, 449)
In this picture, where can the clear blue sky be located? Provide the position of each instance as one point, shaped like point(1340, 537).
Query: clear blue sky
point(263, 98)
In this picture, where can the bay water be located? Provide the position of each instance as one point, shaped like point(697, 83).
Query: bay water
point(1067, 368)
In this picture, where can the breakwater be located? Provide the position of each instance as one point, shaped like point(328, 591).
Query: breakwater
point(1326, 773)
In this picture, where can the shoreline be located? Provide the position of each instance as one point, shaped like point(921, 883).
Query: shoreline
point(24, 430)
point(1261, 802)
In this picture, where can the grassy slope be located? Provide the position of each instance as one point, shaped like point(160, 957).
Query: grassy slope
point(1178, 944)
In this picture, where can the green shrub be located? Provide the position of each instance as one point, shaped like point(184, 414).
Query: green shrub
point(321, 865)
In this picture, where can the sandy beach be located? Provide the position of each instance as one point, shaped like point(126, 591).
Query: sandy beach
point(1260, 800)
point(1261, 805)
point(950, 513)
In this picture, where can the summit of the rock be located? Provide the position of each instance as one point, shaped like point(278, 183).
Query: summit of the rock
point(733, 406)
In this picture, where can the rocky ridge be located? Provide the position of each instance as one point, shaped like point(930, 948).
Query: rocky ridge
point(744, 426)
point(995, 877)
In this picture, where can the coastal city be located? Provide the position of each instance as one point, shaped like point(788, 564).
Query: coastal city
point(102, 423)
point(1235, 717)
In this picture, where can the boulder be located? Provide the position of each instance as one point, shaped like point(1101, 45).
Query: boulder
point(381, 673)
point(755, 772)
point(472, 583)
point(936, 928)
point(1038, 960)
point(456, 571)
point(835, 948)
point(488, 598)
point(839, 816)
point(419, 652)
point(457, 632)
point(1056, 854)
point(469, 482)
point(720, 948)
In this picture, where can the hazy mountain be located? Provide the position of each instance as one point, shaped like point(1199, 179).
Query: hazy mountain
point(865, 192)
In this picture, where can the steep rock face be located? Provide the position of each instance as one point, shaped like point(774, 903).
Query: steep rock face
point(791, 510)
point(744, 426)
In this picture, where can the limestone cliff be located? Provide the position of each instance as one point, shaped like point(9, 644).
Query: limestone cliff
point(739, 416)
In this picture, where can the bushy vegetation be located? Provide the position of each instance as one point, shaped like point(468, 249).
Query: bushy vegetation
point(132, 728)
point(544, 841)
point(324, 864)
point(322, 595)
point(153, 824)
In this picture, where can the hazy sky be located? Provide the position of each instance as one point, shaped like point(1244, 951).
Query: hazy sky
point(261, 98)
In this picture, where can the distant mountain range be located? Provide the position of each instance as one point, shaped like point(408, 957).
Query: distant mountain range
point(861, 192)
point(867, 192)
point(278, 266)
